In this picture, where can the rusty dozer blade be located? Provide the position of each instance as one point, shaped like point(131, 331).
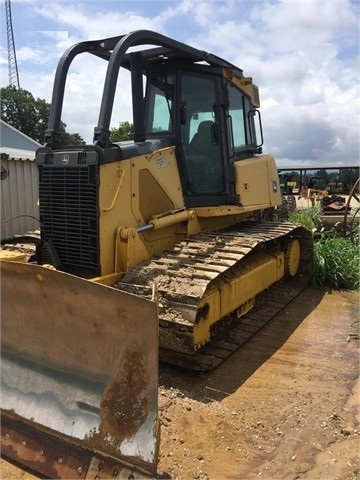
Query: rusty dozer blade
point(79, 376)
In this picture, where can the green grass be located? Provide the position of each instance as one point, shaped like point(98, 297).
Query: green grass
point(304, 218)
point(336, 260)
point(335, 263)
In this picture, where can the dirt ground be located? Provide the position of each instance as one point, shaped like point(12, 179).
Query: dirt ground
point(286, 406)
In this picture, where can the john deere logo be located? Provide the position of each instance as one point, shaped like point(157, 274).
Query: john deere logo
point(64, 159)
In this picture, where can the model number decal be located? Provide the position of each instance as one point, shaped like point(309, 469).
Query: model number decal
point(162, 163)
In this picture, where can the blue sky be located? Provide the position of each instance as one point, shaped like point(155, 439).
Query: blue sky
point(303, 55)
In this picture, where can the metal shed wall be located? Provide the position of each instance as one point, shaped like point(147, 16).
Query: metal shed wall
point(19, 195)
point(19, 182)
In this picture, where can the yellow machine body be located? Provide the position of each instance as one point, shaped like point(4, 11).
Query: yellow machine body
point(150, 186)
point(147, 248)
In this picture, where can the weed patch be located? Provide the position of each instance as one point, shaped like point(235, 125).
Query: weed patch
point(336, 260)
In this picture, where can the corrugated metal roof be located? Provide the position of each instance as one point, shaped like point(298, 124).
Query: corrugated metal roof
point(13, 138)
point(8, 153)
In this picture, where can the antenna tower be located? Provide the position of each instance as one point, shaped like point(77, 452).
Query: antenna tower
point(13, 69)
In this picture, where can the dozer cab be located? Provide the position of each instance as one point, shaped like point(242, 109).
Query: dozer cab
point(148, 246)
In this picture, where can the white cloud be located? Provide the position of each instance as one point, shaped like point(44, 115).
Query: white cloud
point(309, 93)
point(103, 24)
point(302, 54)
point(27, 54)
point(3, 57)
point(56, 35)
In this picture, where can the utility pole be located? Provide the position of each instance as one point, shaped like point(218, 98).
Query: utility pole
point(12, 63)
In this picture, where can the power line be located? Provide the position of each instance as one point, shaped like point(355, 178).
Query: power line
point(12, 63)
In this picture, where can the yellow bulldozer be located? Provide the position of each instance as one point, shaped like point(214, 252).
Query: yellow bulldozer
point(147, 248)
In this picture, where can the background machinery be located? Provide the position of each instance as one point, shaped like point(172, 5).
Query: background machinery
point(155, 236)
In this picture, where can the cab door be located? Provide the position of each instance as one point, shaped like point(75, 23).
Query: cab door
point(206, 170)
point(188, 109)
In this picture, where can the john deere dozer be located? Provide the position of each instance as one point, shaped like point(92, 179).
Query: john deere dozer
point(146, 246)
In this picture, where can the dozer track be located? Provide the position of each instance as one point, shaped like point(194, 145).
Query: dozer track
point(206, 261)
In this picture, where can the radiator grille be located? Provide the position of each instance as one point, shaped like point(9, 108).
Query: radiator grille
point(69, 215)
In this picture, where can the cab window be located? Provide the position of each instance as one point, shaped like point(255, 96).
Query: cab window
point(159, 115)
point(242, 121)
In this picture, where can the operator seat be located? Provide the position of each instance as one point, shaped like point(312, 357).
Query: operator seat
point(202, 142)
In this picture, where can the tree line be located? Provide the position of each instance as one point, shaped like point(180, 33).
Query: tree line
point(30, 116)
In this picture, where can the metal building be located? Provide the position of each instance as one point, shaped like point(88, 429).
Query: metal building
point(19, 182)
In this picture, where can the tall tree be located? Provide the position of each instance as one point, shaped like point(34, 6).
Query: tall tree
point(67, 138)
point(20, 110)
point(125, 131)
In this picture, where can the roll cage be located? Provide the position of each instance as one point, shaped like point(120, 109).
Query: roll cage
point(115, 51)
